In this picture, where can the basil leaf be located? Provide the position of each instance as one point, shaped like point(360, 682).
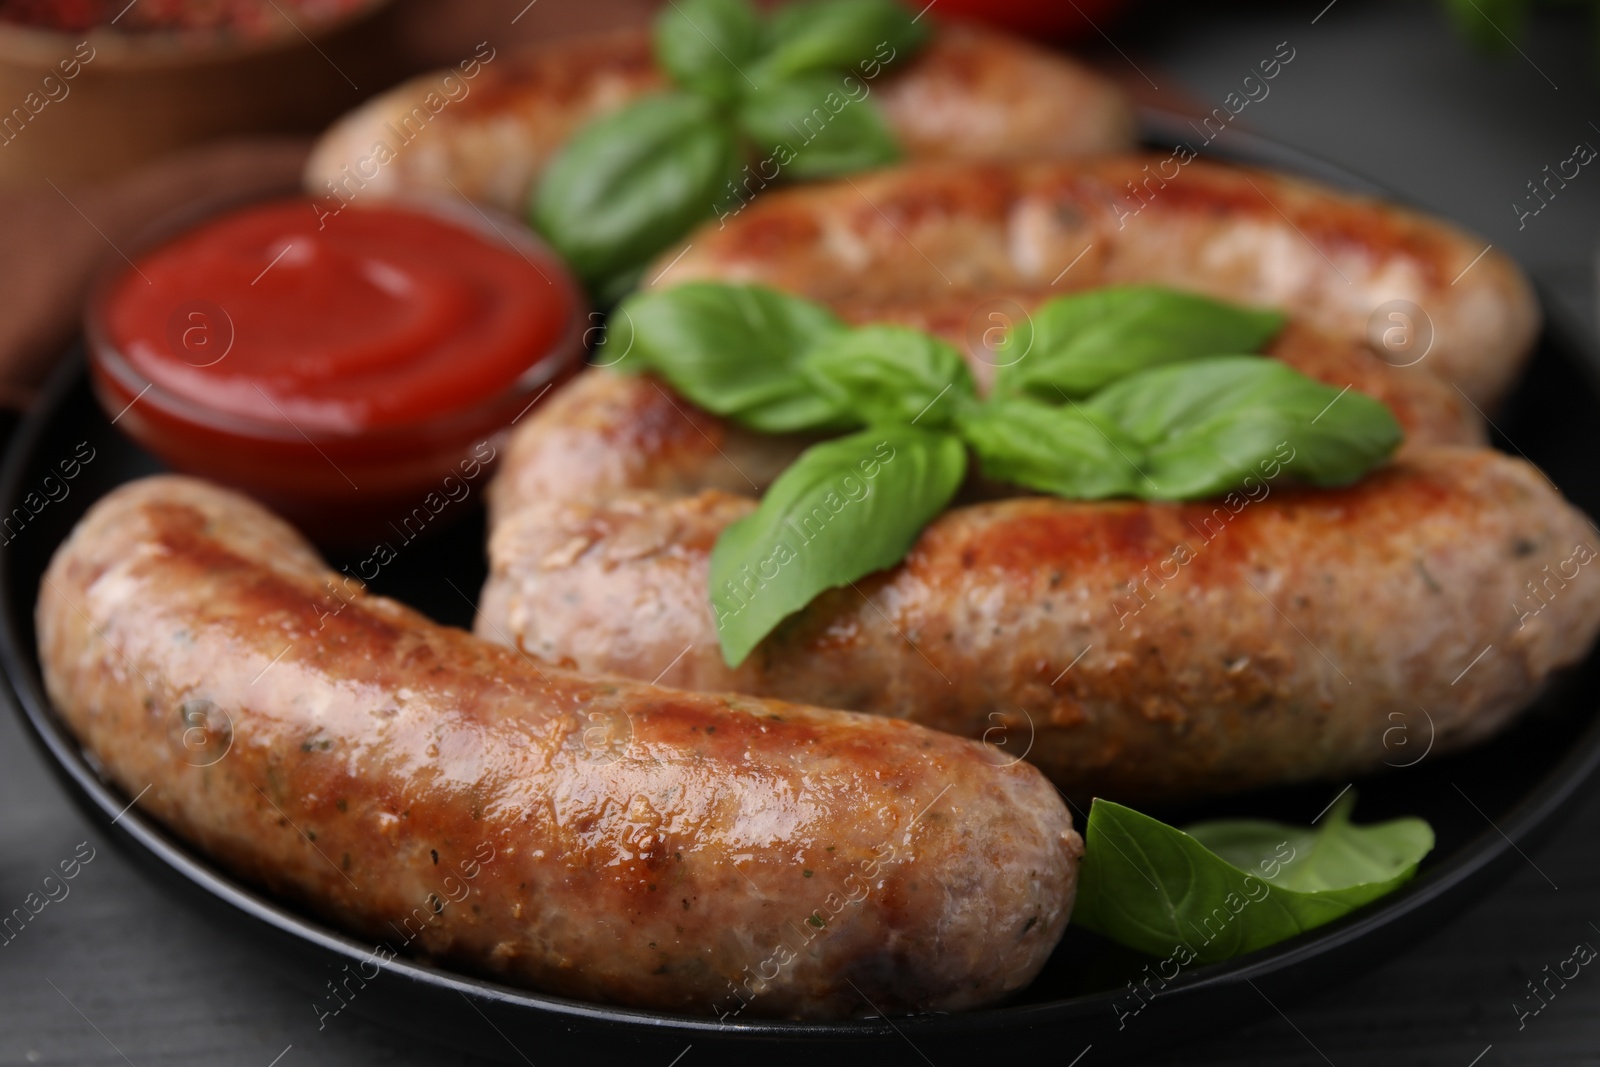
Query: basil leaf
point(629, 184)
point(1209, 424)
point(1160, 890)
point(1083, 342)
point(733, 350)
point(705, 45)
point(1154, 404)
point(818, 34)
point(1330, 859)
point(891, 374)
point(1068, 451)
point(801, 410)
point(814, 127)
point(844, 509)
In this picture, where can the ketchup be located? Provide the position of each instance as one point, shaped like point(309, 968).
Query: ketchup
point(338, 365)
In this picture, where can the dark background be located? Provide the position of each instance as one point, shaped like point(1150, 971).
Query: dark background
point(119, 973)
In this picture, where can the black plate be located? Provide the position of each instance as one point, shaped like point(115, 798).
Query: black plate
point(1523, 782)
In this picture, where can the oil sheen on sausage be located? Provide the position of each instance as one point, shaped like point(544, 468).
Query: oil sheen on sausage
point(1132, 649)
point(585, 835)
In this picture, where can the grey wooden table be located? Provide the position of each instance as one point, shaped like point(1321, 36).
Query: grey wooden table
point(118, 973)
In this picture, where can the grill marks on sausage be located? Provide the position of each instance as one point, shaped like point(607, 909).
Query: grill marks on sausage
point(1025, 538)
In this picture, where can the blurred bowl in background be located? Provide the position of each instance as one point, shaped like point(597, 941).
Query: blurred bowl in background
point(90, 104)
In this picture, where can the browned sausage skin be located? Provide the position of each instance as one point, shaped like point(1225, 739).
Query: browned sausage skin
point(585, 835)
point(960, 233)
point(1266, 637)
point(970, 93)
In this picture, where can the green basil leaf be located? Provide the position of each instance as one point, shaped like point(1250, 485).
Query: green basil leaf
point(800, 410)
point(1160, 890)
point(818, 34)
point(629, 184)
point(706, 45)
point(1088, 340)
point(1068, 451)
point(1333, 858)
point(1208, 425)
point(891, 374)
point(813, 126)
point(734, 350)
point(1154, 404)
point(844, 509)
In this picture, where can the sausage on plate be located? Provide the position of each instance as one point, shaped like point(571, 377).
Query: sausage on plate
point(582, 834)
point(1131, 649)
point(1420, 291)
point(970, 93)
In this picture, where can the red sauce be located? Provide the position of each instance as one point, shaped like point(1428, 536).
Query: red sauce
point(346, 364)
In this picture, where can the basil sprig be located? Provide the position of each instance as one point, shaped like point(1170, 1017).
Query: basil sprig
point(844, 509)
point(707, 45)
point(824, 34)
point(1229, 887)
point(733, 350)
point(1083, 342)
point(890, 374)
point(630, 183)
point(757, 99)
point(1174, 423)
point(1204, 426)
point(1165, 427)
point(828, 115)
point(1065, 451)
point(1184, 432)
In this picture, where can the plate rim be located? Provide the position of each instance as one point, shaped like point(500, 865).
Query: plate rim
point(1536, 812)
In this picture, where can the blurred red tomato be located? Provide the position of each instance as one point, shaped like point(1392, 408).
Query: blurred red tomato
point(1054, 19)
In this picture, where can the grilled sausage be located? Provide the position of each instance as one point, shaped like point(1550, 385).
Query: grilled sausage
point(585, 835)
point(969, 94)
point(608, 433)
point(1135, 650)
point(958, 234)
